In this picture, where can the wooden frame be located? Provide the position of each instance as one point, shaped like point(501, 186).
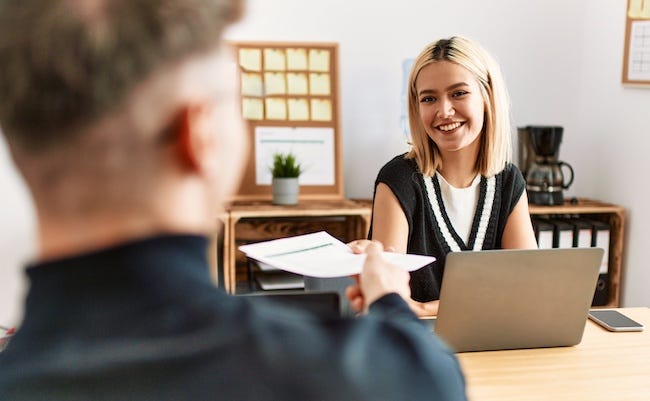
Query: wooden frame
point(218, 251)
point(636, 55)
point(289, 91)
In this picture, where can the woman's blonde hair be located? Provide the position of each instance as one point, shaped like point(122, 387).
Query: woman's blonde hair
point(495, 147)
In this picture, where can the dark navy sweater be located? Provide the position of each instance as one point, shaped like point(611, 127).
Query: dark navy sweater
point(143, 321)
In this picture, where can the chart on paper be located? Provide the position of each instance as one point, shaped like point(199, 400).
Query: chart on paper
point(639, 55)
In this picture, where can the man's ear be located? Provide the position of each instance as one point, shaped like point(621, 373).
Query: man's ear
point(195, 136)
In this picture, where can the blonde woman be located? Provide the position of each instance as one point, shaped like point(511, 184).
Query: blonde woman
point(456, 188)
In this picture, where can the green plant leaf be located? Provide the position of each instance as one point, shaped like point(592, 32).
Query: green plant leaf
point(285, 166)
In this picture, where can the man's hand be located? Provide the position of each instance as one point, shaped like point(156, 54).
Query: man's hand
point(377, 278)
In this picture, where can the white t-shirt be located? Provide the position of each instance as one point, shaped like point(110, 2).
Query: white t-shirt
point(460, 204)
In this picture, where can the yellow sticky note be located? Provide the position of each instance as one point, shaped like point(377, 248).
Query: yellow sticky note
point(297, 83)
point(250, 59)
point(274, 60)
point(251, 84)
point(296, 59)
point(298, 110)
point(645, 11)
point(276, 109)
point(319, 84)
point(252, 109)
point(639, 9)
point(274, 83)
point(321, 110)
point(319, 60)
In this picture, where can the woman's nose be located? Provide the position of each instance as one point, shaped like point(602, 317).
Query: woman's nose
point(445, 109)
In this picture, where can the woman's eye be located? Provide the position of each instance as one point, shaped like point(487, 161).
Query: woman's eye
point(427, 99)
point(459, 93)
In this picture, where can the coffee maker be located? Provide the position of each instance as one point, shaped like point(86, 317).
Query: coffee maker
point(539, 148)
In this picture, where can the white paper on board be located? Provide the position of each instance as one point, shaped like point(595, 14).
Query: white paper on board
point(312, 147)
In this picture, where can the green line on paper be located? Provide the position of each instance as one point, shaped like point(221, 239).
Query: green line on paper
point(300, 250)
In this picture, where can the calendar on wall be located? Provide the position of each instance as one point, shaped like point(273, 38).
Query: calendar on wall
point(289, 101)
point(636, 57)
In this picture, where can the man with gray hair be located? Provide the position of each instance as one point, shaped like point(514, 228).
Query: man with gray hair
point(123, 118)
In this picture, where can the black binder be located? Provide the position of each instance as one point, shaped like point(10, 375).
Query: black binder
point(543, 232)
point(582, 232)
point(562, 234)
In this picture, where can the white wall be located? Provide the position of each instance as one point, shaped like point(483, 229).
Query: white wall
point(615, 126)
point(538, 47)
point(17, 240)
point(562, 63)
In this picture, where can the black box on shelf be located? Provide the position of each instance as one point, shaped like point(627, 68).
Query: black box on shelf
point(601, 295)
point(267, 278)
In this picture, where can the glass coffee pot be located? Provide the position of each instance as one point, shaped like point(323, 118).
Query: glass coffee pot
point(545, 179)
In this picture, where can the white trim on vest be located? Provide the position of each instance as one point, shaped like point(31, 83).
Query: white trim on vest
point(433, 201)
point(483, 222)
point(485, 213)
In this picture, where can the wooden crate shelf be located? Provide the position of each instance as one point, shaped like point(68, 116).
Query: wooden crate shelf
point(346, 219)
point(614, 216)
point(256, 221)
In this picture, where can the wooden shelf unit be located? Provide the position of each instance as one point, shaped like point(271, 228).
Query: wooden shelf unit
point(611, 214)
point(256, 221)
point(245, 222)
point(216, 254)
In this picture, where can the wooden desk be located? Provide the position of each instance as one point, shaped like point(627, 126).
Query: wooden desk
point(604, 366)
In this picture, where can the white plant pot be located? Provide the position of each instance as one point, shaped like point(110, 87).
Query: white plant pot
point(285, 191)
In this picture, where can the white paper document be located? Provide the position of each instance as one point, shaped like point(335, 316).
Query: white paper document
point(321, 255)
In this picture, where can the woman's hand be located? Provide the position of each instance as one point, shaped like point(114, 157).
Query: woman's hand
point(360, 245)
point(377, 278)
point(424, 309)
point(355, 297)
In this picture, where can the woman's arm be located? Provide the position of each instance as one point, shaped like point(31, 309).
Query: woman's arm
point(390, 227)
point(518, 233)
point(389, 224)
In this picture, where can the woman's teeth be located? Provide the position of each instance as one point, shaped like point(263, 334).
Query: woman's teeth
point(449, 127)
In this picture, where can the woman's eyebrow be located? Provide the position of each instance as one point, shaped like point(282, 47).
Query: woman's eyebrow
point(450, 87)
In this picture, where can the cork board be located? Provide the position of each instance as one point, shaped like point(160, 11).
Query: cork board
point(290, 102)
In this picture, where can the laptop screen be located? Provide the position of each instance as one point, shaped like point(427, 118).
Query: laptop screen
point(509, 299)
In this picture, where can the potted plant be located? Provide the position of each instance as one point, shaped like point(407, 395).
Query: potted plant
point(285, 172)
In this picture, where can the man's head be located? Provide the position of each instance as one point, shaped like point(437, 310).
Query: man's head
point(104, 102)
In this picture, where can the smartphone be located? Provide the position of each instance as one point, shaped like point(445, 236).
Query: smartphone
point(614, 320)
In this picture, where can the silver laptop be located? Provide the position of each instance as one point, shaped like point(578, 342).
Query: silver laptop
point(509, 299)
